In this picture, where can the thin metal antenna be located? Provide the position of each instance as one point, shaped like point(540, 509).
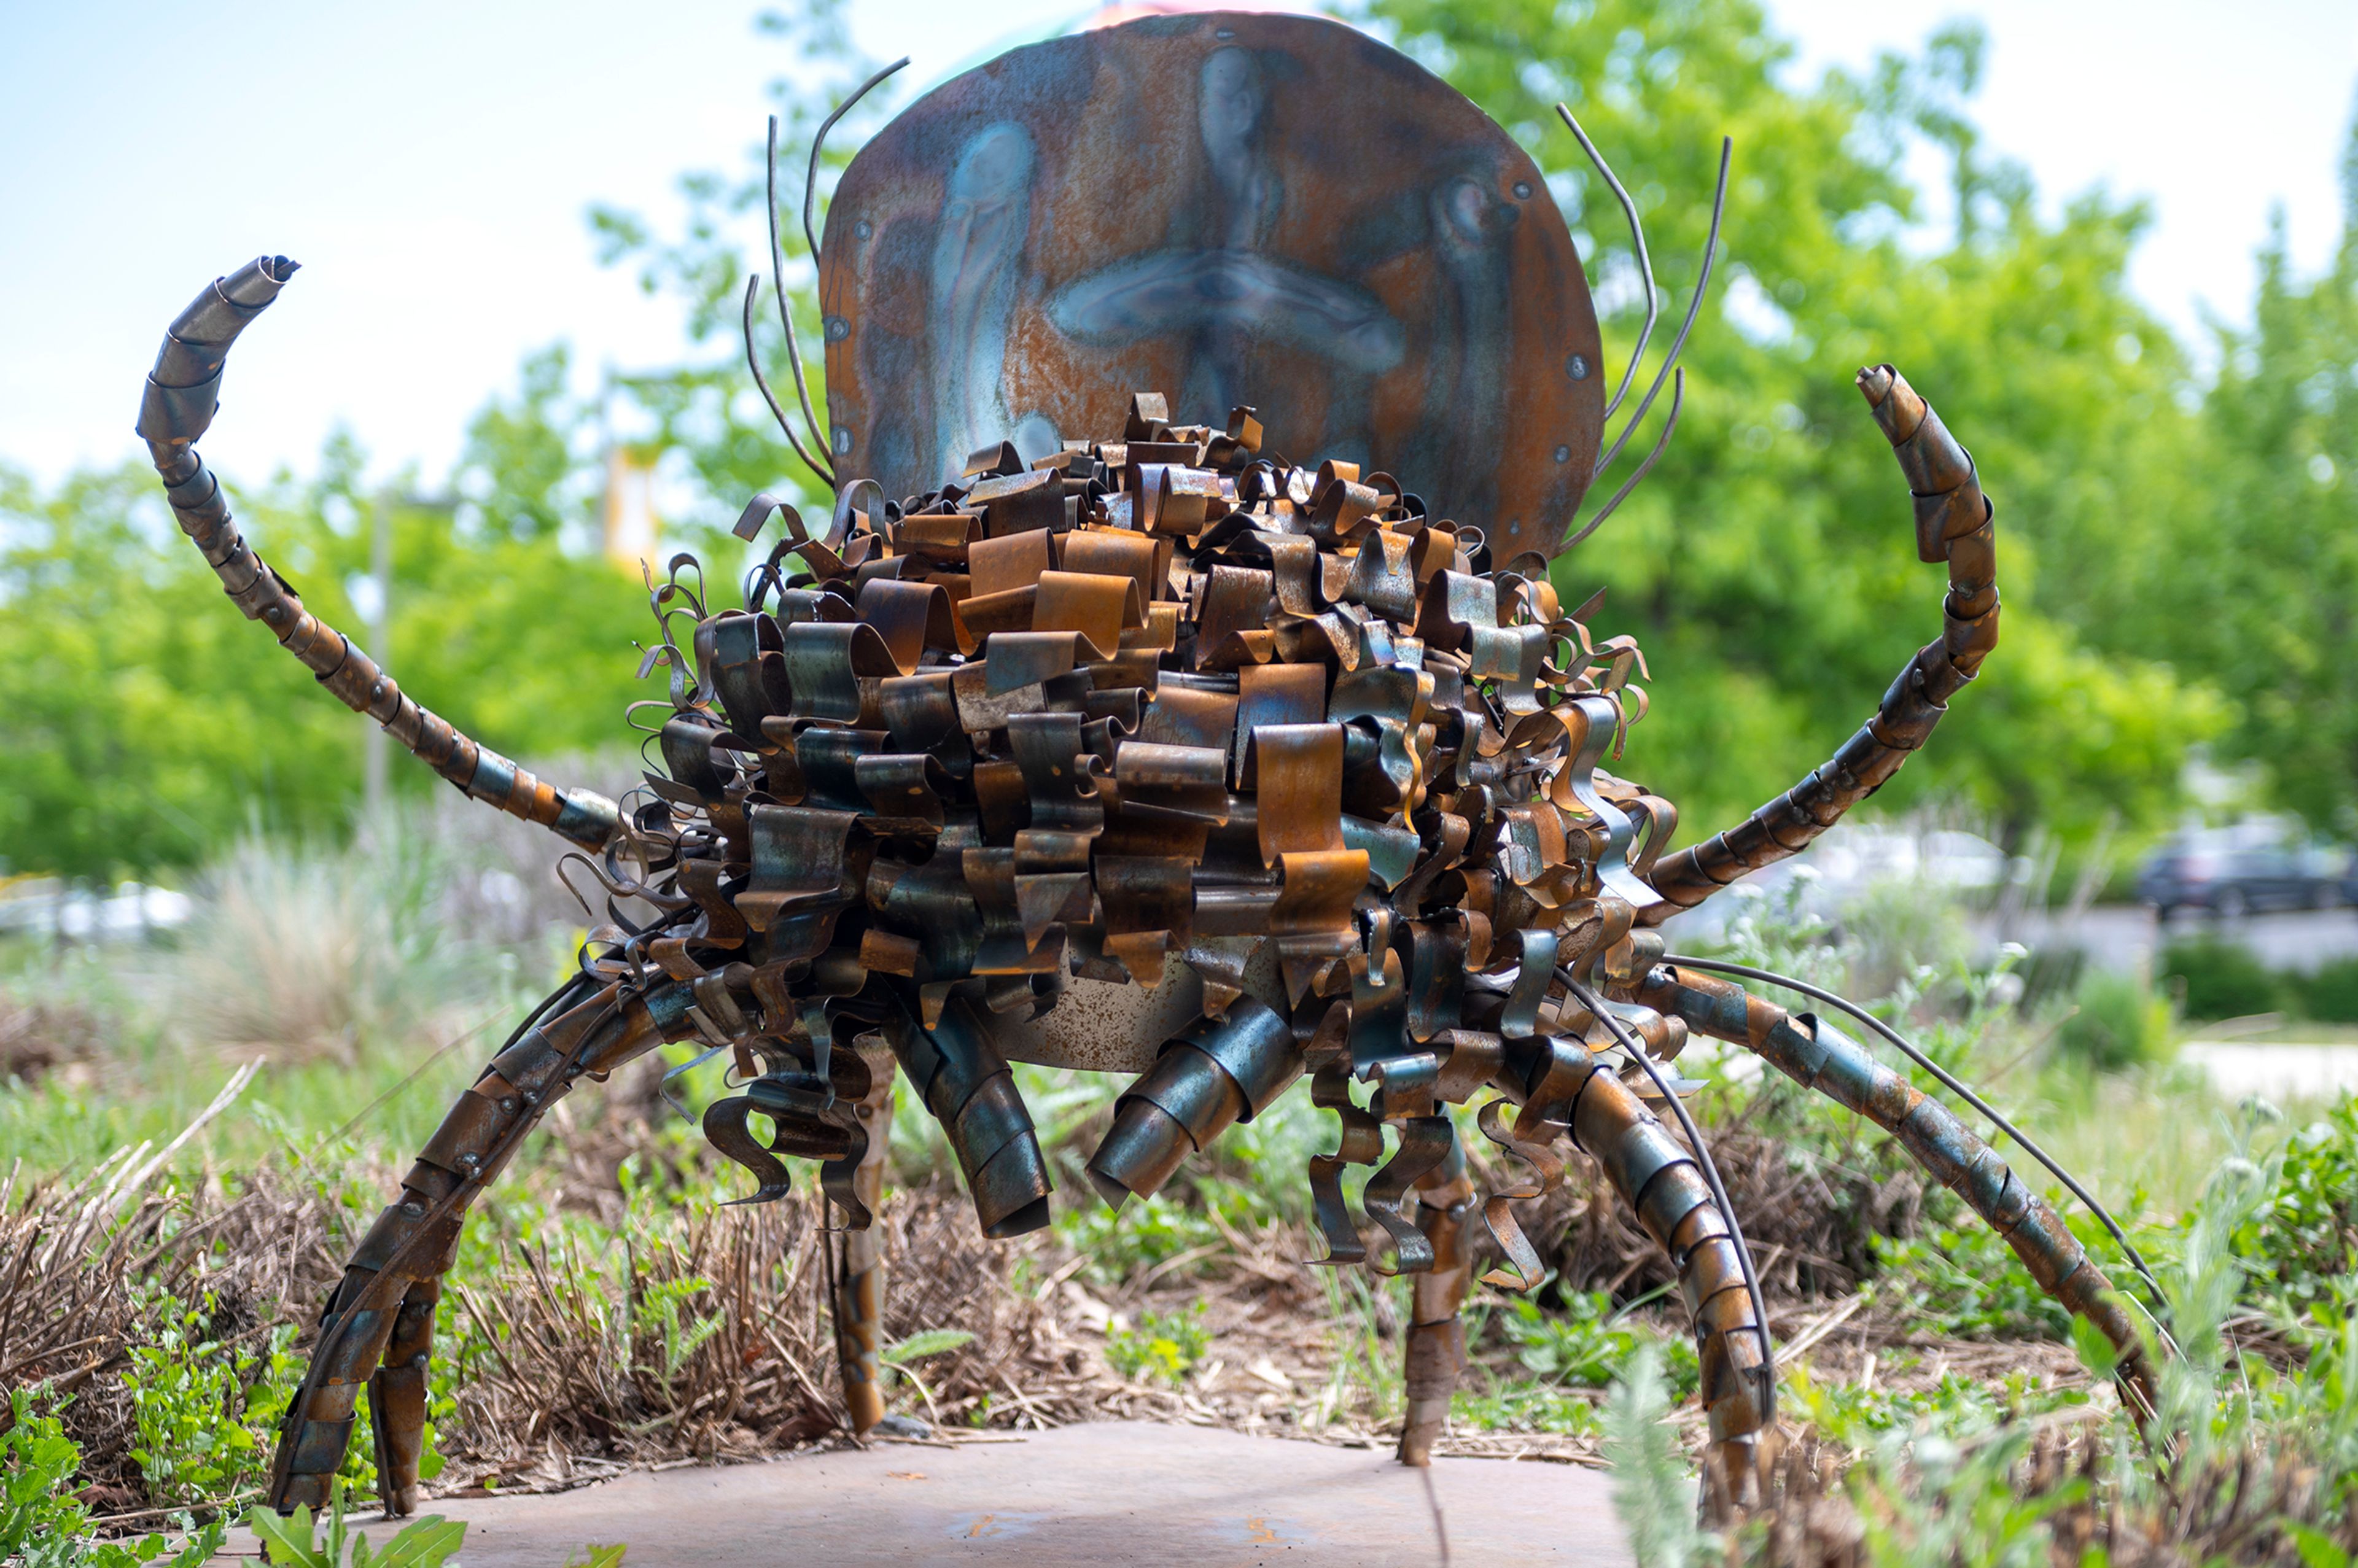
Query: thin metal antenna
point(786, 319)
point(1645, 262)
point(753, 363)
point(810, 177)
point(1678, 397)
point(1694, 306)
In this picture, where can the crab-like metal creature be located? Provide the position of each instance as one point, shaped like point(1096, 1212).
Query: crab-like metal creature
point(1122, 742)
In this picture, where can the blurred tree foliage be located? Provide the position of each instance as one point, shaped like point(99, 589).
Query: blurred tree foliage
point(2176, 559)
point(1767, 565)
point(143, 722)
point(2252, 575)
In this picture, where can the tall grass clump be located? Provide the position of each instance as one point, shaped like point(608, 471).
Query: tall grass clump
point(2218, 978)
point(305, 951)
point(2250, 1456)
point(2117, 1021)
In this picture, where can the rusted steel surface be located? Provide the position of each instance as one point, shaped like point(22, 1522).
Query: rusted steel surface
point(1103, 733)
point(1817, 1055)
point(860, 1268)
point(1236, 209)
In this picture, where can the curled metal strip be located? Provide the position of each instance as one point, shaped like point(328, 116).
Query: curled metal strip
point(1362, 1143)
point(1403, 1100)
point(725, 1129)
point(1523, 1271)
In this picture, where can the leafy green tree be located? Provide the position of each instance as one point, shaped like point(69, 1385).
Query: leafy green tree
point(143, 721)
point(140, 718)
point(708, 408)
point(525, 464)
point(1767, 565)
point(2252, 575)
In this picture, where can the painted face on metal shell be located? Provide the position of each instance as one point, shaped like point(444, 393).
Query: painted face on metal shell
point(1263, 210)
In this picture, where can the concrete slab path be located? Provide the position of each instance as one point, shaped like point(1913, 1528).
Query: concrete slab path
point(1094, 1495)
point(2279, 1071)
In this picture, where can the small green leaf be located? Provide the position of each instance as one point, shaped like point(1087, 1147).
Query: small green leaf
point(597, 1556)
point(289, 1539)
point(2096, 1353)
point(200, 1546)
point(930, 1342)
point(2315, 1550)
point(423, 1544)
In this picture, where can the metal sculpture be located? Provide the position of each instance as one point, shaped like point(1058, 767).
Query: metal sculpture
point(1150, 750)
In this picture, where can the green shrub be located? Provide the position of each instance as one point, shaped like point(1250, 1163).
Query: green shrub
point(189, 1397)
point(2221, 979)
point(1163, 1347)
point(422, 1543)
point(2303, 1235)
point(2117, 1021)
point(1582, 1344)
point(2330, 995)
point(1140, 1236)
point(2054, 971)
point(38, 1461)
point(44, 1524)
point(1961, 1280)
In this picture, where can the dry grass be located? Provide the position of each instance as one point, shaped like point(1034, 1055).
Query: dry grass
point(1811, 1220)
point(37, 1038)
point(706, 1341)
point(90, 1270)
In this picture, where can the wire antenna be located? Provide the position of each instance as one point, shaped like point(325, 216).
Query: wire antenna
point(1638, 240)
point(1899, 1043)
point(778, 272)
point(753, 363)
point(818, 142)
point(786, 319)
point(1694, 307)
point(1678, 401)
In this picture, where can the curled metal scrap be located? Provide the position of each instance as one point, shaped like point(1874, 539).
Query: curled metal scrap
point(1153, 753)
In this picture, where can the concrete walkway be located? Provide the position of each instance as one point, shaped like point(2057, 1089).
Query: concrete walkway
point(1100, 1494)
point(2241, 1067)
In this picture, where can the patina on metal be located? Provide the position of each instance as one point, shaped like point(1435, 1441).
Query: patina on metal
point(1223, 206)
point(1124, 742)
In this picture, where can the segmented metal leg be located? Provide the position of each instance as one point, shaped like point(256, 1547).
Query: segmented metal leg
point(397, 1398)
point(859, 1279)
point(1817, 1055)
point(382, 1311)
point(1435, 1352)
point(1655, 1172)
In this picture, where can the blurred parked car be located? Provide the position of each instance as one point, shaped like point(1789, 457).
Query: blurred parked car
point(2262, 863)
point(45, 907)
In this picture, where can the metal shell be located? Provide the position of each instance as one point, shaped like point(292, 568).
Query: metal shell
point(1240, 209)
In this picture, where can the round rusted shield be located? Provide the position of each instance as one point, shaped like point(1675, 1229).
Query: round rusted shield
point(1226, 208)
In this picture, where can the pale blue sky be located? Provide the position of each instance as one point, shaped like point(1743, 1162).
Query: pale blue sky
point(430, 164)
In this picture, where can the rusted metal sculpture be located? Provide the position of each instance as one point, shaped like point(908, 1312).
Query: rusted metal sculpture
point(1147, 750)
